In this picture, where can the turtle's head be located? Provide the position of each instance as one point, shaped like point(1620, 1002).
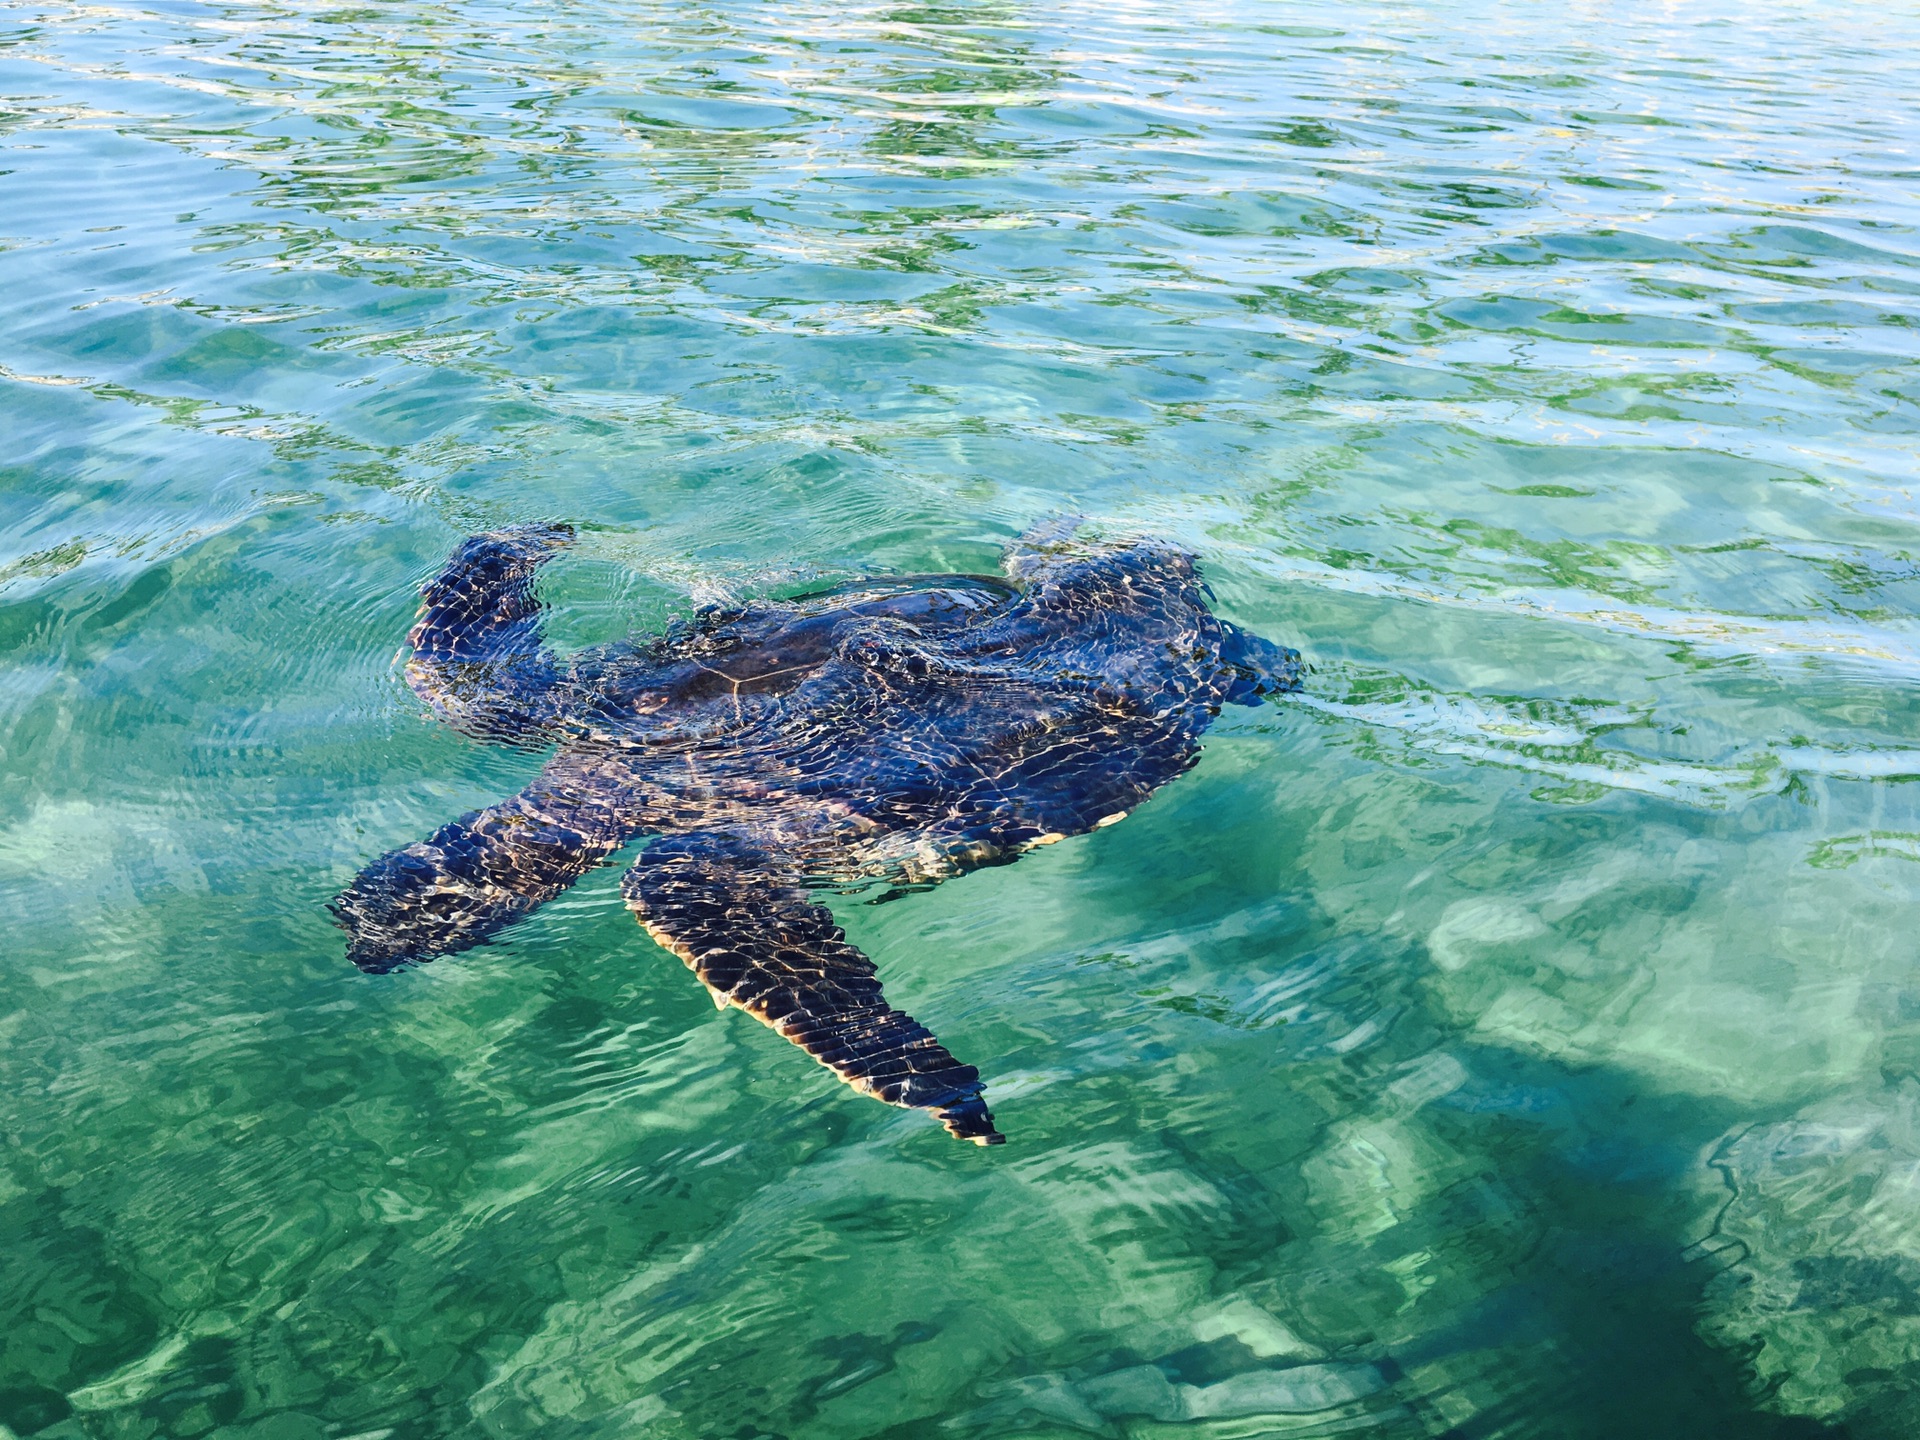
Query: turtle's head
point(1259, 668)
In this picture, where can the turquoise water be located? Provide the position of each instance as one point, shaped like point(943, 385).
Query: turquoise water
point(1516, 1035)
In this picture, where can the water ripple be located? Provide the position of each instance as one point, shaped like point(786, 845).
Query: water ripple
point(1549, 377)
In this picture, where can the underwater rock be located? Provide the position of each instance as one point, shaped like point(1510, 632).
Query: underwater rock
point(1822, 1236)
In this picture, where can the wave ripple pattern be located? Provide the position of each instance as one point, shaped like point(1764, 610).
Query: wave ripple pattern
point(1516, 1034)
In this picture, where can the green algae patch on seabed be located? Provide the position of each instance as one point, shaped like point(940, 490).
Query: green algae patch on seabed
point(1514, 1035)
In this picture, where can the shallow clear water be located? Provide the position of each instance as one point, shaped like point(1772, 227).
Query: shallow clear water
point(1516, 1035)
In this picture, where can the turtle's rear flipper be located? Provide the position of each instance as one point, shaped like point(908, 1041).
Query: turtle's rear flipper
point(478, 655)
point(757, 940)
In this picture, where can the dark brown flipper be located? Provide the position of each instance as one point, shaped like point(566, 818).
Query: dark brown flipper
point(757, 940)
point(473, 878)
point(479, 658)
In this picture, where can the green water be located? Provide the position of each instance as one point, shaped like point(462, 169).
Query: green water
point(1517, 1035)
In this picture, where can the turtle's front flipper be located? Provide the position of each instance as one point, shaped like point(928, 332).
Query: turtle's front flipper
point(757, 940)
point(478, 656)
point(473, 878)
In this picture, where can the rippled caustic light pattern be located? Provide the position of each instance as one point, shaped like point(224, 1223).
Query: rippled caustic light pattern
point(1516, 1034)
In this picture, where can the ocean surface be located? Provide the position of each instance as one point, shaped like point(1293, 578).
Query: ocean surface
point(1517, 1034)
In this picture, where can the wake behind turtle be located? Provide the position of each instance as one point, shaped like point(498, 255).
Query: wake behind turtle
point(901, 730)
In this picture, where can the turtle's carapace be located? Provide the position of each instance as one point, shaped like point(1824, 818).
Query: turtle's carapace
point(900, 730)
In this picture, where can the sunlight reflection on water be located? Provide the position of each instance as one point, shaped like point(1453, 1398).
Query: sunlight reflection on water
point(1518, 1036)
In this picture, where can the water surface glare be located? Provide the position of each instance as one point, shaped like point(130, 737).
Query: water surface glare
point(1517, 1035)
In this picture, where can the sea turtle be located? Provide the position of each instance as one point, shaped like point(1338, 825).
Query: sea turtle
point(901, 730)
